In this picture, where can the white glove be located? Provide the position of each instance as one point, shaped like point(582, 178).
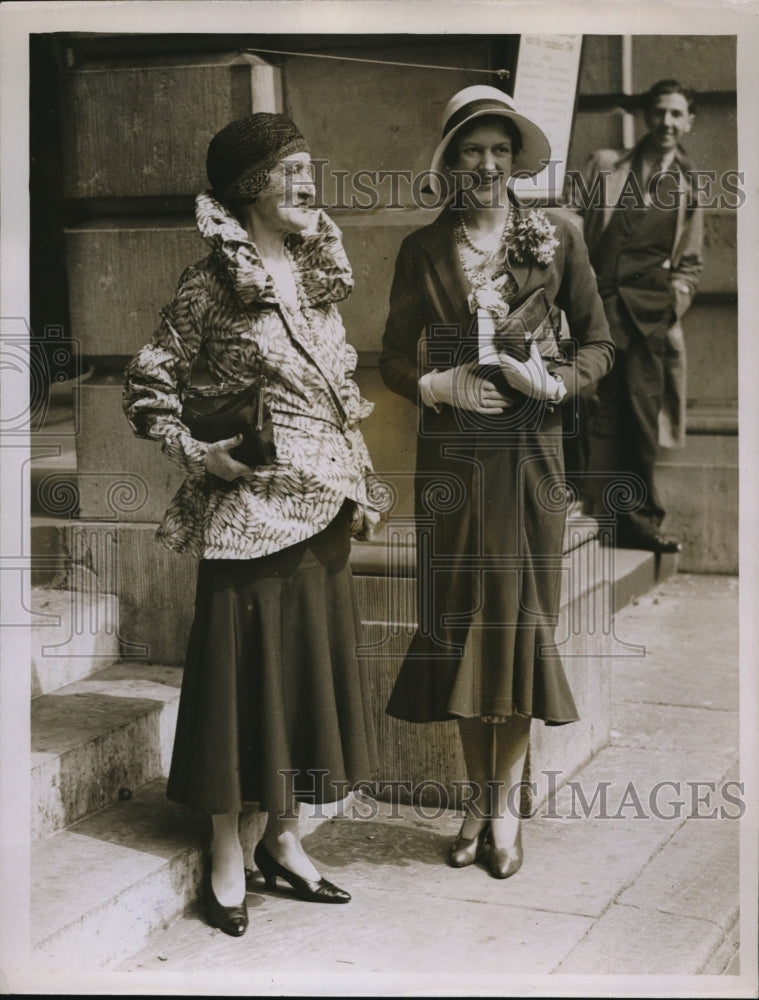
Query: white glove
point(531, 377)
point(462, 388)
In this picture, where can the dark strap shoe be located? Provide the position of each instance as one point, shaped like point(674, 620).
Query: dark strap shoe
point(659, 543)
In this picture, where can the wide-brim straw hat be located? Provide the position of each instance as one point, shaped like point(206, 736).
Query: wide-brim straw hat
point(474, 102)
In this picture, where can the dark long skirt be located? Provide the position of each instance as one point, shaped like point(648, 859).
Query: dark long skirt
point(491, 511)
point(273, 696)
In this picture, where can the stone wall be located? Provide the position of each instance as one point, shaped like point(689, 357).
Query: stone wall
point(134, 186)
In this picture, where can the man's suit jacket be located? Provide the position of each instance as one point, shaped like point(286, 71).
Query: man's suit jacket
point(651, 299)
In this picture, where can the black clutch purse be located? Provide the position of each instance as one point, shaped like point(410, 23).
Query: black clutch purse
point(217, 415)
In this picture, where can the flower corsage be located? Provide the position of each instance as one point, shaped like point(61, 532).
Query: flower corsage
point(531, 238)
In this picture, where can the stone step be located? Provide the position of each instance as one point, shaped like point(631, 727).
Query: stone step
point(74, 635)
point(390, 596)
point(97, 738)
point(635, 572)
point(108, 882)
point(118, 875)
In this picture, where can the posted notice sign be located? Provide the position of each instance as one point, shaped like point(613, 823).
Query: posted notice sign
point(544, 90)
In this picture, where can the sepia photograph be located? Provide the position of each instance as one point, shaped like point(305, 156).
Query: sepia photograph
point(378, 449)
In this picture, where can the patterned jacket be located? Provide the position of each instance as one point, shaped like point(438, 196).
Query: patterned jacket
point(226, 316)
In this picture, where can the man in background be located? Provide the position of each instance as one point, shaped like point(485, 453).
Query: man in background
point(644, 233)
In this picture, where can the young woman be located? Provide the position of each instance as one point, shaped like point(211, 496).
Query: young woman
point(490, 518)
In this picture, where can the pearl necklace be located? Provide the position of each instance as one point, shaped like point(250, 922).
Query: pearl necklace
point(467, 238)
point(479, 265)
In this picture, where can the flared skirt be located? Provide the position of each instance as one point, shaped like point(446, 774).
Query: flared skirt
point(274, 701)
point(490, 527)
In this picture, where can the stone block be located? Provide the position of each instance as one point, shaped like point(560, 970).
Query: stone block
point(406, 132)
point(700, 496)
point(143, 157)
point(121, 477)
point(390, 434)
point(720, 253)
point(50, 566)
point(124, 477)
point(372, 245)
point(587, 640)
point(155, 587)
point(702, 509)
point(601, 66)
point(705, 450)
point(711, 340)
point(420, 762)
point(121, 272)
point(157, 594)
point(705, 62)
point(593, 130)
point(116, 876)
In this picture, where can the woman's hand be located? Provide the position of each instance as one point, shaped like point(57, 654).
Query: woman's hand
point(461, 387)
point(531, 377)
point(220, 463)
point(365, 522)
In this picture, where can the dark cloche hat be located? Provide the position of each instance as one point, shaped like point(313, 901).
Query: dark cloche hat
point(241, 155)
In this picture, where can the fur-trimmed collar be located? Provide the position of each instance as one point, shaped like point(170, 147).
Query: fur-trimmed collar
point(325, 272)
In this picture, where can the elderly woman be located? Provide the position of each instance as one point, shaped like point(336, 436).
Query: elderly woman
point(274, 706)
point(470, 340)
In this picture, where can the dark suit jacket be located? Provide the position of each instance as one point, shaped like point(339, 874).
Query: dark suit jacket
point(647, 292)
point(607, 178)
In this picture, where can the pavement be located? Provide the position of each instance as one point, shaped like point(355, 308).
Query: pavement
point(630, 884)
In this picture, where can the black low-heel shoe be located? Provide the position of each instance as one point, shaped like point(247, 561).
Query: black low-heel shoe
point(313, 892)
point(233, 920)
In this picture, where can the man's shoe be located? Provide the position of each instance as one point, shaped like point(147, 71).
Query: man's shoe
point(656, 542)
